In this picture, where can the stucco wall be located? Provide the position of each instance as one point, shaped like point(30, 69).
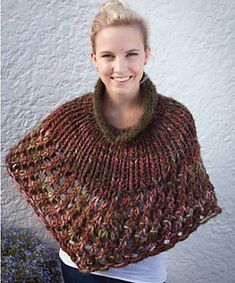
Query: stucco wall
point(45, 61)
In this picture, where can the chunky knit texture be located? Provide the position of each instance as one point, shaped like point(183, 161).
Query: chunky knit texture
point(114, 196)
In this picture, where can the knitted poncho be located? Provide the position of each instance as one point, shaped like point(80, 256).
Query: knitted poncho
point(113, 196)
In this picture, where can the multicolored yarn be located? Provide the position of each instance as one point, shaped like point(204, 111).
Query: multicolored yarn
point(111, 197)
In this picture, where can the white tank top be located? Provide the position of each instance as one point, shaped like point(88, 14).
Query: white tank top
point(152, 269)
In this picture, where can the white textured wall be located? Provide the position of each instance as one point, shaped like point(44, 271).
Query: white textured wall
point(45, 61)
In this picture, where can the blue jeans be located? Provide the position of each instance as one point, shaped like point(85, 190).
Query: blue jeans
point(73, 275)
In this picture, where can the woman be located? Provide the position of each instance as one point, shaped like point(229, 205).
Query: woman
point(116, 175)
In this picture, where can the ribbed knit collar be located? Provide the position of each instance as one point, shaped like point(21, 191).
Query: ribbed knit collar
point(113, 134)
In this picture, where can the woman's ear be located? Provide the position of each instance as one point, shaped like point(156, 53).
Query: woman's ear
point(147, 54)
point(93, 59)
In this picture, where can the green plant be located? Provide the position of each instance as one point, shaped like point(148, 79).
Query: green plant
point(27, 259)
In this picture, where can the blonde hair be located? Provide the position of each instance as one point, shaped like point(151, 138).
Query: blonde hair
point(114, 13)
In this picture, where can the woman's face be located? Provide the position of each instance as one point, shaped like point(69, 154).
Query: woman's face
point(120, 58)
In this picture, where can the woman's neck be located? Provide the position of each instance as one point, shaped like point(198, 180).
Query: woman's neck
point(123, 114)
point(122, 106)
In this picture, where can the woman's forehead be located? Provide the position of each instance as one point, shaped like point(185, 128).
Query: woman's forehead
point(119, 37)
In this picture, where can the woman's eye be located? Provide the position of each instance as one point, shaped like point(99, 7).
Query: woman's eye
point(132, 54)
point(110, 56)
point(107, 56)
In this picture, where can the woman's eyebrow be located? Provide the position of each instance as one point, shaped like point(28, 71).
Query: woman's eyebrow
point(131, 50)
point(104, 52)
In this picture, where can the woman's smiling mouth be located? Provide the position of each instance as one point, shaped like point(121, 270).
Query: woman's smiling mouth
point(121, 79)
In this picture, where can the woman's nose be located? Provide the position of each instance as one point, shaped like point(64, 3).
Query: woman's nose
point(120, 65)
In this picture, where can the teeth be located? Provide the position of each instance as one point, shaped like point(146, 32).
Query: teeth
point(122, 79)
